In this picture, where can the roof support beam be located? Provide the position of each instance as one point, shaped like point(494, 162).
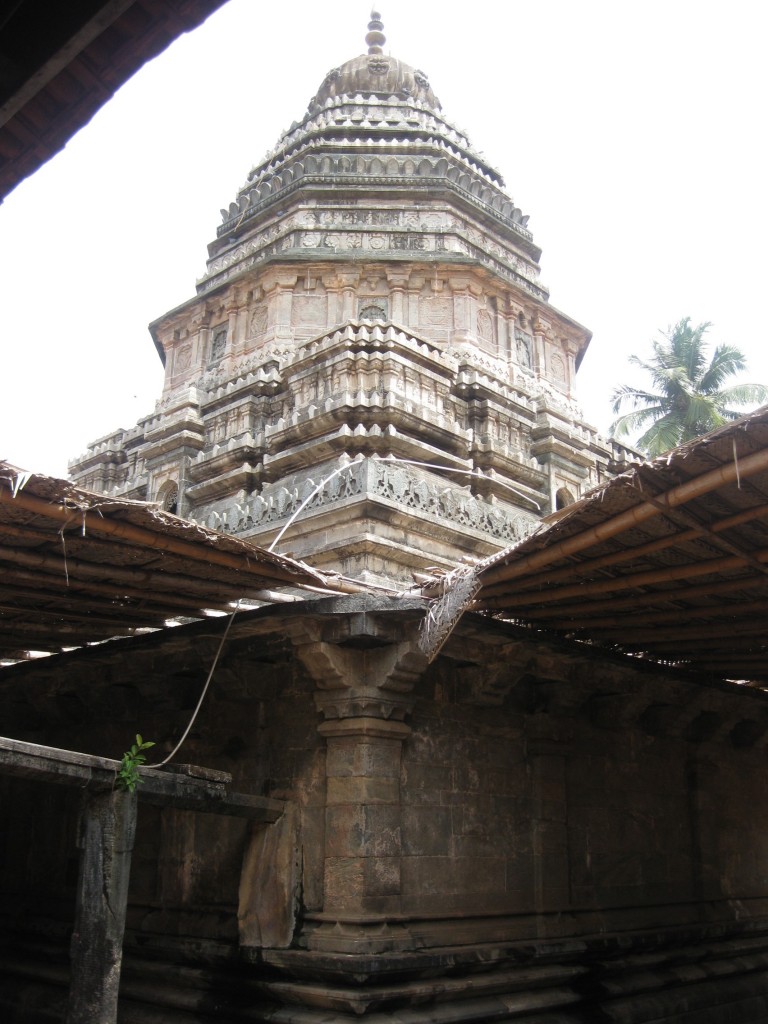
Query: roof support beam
point(732, 472)
point(106, 836)
point(588, 566)
point(265, 566)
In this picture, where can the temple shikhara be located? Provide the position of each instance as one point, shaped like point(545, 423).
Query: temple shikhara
point(459, 710)
point(371, 343)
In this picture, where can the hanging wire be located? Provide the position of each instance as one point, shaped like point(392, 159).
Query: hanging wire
point(313, 493)
point(212, 669)
point(303, 505)
point(406, 462)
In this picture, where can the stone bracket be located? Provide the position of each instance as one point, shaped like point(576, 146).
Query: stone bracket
point(352, 683)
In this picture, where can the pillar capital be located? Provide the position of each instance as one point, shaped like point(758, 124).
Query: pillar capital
point(370, 728)
point(373, 683)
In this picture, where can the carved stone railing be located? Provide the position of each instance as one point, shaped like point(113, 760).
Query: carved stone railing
point(391, 482)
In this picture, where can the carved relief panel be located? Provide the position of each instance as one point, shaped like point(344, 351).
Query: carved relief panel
point(218, 344)
point(259, 318)
point(524, 348)
point(485, 329)
point(182, 359)
point(436, 316)
point(557, 370)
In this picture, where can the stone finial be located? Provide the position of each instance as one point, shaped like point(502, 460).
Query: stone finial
point(375, 37)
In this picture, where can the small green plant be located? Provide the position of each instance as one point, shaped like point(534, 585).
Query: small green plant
point(128, 774)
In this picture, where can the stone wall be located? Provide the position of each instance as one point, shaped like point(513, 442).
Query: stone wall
point(579, 826)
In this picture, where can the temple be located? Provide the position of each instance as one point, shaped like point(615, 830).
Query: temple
point(371, 347)
point(527, 786)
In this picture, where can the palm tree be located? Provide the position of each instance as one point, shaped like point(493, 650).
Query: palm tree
point(690, 398)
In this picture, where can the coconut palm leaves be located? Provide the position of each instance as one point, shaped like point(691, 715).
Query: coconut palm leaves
point(690, 395)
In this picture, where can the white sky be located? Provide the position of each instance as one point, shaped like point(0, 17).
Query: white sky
point(633, 133)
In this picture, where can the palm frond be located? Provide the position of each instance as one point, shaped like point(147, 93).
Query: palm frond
point(628, 395)
point(689, 397)
point(726, 361)
point(632, 421)
point(744, 394)
point(660, 437)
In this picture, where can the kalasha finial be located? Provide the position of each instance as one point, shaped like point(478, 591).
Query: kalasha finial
point(375, 37)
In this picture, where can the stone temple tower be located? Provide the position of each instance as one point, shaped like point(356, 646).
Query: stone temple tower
point(370, 347)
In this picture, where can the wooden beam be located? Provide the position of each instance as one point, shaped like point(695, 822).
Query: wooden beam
point(698, 639)
point(582, 567)
point(626, 581)
point(106, 836)
point(50, 588)
point(266, 566)
point(672, 615)
point(70, 570)
point(181, 786)
point(21, 611)
point(644, 598)
point(711, 634)
point(729, 473)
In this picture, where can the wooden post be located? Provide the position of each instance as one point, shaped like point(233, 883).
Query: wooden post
point(107, 830)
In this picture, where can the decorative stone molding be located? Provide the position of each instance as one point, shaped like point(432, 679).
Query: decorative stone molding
point(388, 481)
point(372, 291)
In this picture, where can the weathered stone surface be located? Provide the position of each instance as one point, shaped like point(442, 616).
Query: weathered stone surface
point(269, 893)
point(370, 350)
point(523, 829)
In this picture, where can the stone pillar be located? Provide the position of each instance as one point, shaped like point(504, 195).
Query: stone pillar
point(234, 334)
point(283, 304)
point(540, 329)
point(461, 307)
point(705, 828)
point(364, 696)
point(348, 284)
point(362, 820)
point(571, 352)
point(204, 341)
point(398, 284)
point(502, 329)
point(413, 312)
point(332, 287)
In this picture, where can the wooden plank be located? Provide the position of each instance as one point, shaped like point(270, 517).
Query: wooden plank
point(183, 786)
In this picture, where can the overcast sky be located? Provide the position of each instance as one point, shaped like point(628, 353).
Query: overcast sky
point(632, 133)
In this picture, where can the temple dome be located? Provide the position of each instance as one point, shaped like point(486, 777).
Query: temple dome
point(378, 74)
point(375, 73)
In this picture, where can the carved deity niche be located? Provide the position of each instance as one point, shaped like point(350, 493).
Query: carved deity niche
point(563, 498)
point(309, 308)
point(485, 328)
point(182, 359)
point(218, 344)
point(523, 349)
point(373, 308)
point(557, 368)
point(168, 496)
point(436, 315)
point(259, 321)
